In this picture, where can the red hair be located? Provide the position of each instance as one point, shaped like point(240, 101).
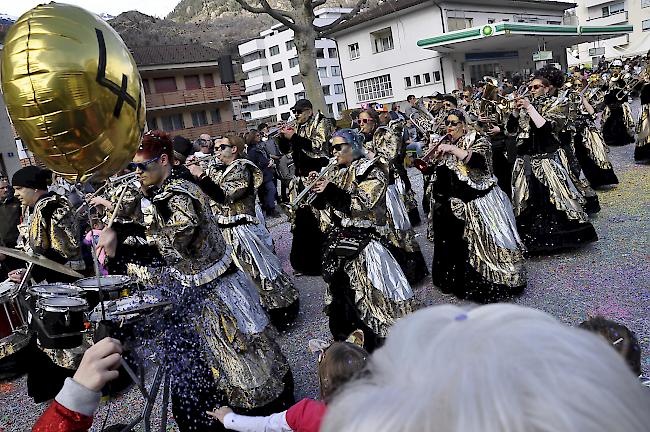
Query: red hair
point(156, 143)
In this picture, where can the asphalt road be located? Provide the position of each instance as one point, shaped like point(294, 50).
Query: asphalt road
point(610, 277)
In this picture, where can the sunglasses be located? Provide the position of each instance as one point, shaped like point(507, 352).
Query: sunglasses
point(142, 166)
point(225, 146)
point(452, 123)
point(297, 111)
point(365, 120)
point(534, 87)
point(338, 147)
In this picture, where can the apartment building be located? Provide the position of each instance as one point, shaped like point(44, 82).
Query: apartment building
point(419, 47)
point(273, 83)
point(184, 92)
point(606, 13)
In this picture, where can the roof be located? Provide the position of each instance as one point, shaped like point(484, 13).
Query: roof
point(173, 54)
point(389, 7)
point(517, 35)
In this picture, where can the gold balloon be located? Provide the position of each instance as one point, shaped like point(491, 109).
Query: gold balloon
point(73, 91)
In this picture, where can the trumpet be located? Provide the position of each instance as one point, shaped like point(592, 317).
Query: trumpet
point(307, 196)
point(276, 131)
point(630, 85)
point(422, 163)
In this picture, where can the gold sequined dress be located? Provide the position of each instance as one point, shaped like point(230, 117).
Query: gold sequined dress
point(366, 286)
point(218, 341)
point(642, 149)
point(477, 252)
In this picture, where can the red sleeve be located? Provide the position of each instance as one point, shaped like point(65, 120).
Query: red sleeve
point(58, 418)
point(306, 415)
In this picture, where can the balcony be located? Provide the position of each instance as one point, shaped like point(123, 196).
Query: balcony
point(258, 81)
point(254, 64)
point(259, 97)
point(251, 46)
point(592, 3)
point(263, 113)
point(613, 19)
point(617, 41)
point(217, 129)
point(192, 97)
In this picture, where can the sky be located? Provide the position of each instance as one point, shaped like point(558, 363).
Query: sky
point(157, 8)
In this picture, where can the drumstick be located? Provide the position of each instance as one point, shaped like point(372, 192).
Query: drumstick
point(117, 207)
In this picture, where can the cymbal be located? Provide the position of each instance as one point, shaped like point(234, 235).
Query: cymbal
point(40, 260)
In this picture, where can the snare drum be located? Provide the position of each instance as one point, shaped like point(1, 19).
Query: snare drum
point(62, 321)
point(113, 288)
point(43, 291)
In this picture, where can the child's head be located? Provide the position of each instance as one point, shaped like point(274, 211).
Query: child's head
point(620, 337)
point(339, 363)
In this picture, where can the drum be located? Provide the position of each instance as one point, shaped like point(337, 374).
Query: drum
point(62, 321)
point(42, 291)
point(14, 334)
point(113, 288)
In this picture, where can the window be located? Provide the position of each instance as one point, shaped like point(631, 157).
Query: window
point(199, 118)
point(554, 22)
point(257, 55)
point(293, 62)
point(283, 100)
point(436, 76)
point(320, 53)
point(192, 82)
point(354, 51)
point(300, 95)
point(280, 84)
point(407, 82)
point(373, 88)
point(382, 40)
point(330, 107)
point(458, 23)
point(274, 50)
point(340, 106)
point(332, 53)
point(427, 78)
point(645, 25)
point(296, 79)
point(490, 20)
point(613, 9)
point(152, 123)
point(172, 122)
point(645, 3)
point(326, 90)
point(267, 104)
point(164, 85)
point(336, 70)
point(209, 80)
point(277, 67)
point(338, 88)
point(289, 45)
point(145, 84)
point(322, 72)
point(417, 79)
point(216, 116)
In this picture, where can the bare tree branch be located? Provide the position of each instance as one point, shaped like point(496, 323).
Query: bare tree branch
point(342, 18)
point(283, 17)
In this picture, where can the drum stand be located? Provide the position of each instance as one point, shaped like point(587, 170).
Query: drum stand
point(161, 378)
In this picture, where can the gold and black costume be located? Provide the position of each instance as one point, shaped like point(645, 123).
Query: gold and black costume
point(309, 147)
point(617, 120)
point(385, 143)
point(219, 344)
point(233, 189)
point(477, 252)
point(642, 149)
point(546, 202)
point(366, 287)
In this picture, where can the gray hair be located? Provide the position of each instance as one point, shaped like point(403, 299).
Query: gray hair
point(495, 368)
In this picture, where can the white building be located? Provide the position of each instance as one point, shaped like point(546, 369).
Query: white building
point(273, 83)
point(419, 47)
point(607, 13)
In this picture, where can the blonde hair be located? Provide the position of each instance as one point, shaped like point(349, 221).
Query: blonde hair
point(495, 368)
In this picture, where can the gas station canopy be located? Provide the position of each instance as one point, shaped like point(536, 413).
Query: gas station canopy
point(514, 36)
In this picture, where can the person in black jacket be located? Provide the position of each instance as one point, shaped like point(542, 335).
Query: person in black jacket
point(9, 220)
point(257, 154)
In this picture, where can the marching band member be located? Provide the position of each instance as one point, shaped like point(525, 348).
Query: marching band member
point(232, 184)
point(642, 149)
point(477, 252)
point(219, 345)
point(617, 121)
point(367, 290)
point(309, 147)
point(385, 143)
point(545, 200)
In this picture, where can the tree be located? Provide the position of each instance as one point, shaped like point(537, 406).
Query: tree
point(300, 19)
